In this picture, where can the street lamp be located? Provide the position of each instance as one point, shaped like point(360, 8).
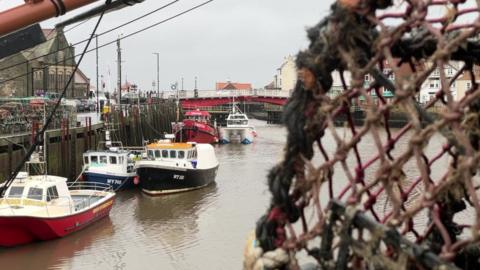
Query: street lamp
point(158, 75)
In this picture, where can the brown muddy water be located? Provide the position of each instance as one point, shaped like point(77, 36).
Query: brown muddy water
point(202, 229)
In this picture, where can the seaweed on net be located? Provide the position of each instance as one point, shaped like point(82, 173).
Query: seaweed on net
point(355, 38)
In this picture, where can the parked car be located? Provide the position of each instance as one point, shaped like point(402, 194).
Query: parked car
point(91, 105)
point(77, 104)
point(132, 98)
point(83, 106)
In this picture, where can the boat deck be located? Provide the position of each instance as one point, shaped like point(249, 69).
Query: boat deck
point(83, 201)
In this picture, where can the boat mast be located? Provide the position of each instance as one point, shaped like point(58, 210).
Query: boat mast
point(45, 169)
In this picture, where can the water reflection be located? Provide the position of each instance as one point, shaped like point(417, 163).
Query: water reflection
point(171, 222)
point(45, 255)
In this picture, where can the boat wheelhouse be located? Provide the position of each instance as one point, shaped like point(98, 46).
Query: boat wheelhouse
point(176, 167)
point(44, 207)
point(237, 129)
point(196, 127)
point(115, 167)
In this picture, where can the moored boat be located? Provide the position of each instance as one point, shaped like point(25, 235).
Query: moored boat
point(237, 129)
point(113, 166)
point(44, 207)
point(176, 167)
point(196, 127)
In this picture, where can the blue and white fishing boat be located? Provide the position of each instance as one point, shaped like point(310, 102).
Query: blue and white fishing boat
point(114, 166)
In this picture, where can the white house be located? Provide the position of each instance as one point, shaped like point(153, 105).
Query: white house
point(286, 75)
point(432, 84)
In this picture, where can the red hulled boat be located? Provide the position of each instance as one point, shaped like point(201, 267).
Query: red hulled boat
point(43, 207)
point(196, 127)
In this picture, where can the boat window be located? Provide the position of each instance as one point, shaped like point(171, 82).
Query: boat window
point(173, 154)
point(35, 193)
point(120, 160)
point(244, 122)
point(150, 154)
point(157, 154)
point(194, 154)
point(94, 159)
point(189, 154)
point(52, 193)
point(103, 159)
point(165, 153)
point(85, 160)
point(15, 192)
point(113, 160)
point(181, 154)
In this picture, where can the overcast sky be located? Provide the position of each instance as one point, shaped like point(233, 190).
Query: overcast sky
point(239, 40)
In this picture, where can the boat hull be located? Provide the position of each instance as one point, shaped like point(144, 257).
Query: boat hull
point(118, 182)
point(19, 230)
point(196, 132)
point(241, 135)
point(158, 180)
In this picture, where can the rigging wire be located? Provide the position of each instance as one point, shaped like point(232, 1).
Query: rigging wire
point(85, 40)
point(39, 136)
point(120, 38)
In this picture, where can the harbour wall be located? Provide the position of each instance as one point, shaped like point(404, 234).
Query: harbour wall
point(130, 124)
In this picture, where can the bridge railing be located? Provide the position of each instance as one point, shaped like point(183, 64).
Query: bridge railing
point(188, 94)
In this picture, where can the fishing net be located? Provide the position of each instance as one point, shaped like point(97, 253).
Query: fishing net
point(352, 192)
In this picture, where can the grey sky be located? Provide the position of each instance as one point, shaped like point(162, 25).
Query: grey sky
point(240, 40)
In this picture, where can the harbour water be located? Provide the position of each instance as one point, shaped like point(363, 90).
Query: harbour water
point(202, 229)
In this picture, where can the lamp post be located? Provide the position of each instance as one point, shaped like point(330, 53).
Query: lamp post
point(158, 75)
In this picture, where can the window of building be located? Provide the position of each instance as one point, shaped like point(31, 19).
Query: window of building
point(469, 85)
point(35, 193)
point(60, 79)
point(51, 80)
point(450, 71)
point(367, 78)
point(15, 192)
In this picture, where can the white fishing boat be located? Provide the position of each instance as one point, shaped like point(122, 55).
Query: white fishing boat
point(238, 128)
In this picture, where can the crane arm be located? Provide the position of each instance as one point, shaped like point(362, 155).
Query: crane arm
point(35, 11)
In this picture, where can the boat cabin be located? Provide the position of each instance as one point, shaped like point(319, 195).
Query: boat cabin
point(171, 151)
point(237, 119)
point(37, 190)
point(198, 116)
point(110, 160)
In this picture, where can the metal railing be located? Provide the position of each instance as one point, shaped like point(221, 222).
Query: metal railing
point(225, 93)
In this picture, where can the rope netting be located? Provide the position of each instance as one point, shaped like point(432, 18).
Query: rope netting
point(373, 196)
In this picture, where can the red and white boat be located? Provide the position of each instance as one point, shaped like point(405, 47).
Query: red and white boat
point(196, 127)
point(44, 207)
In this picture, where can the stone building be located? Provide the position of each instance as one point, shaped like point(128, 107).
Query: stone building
point(45, 66)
